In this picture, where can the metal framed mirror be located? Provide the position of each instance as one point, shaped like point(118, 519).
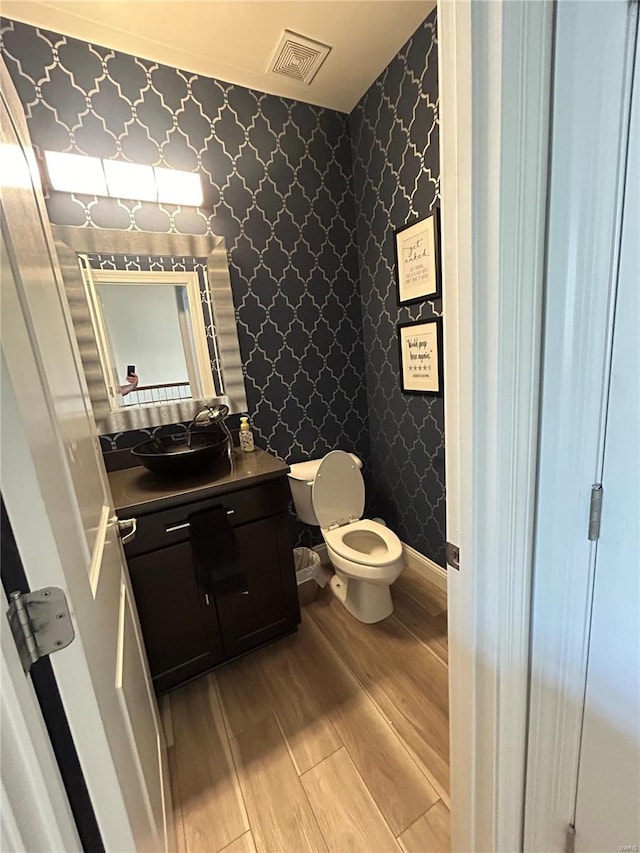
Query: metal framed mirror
point(162, 305)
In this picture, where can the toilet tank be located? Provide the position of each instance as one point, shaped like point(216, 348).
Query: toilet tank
point(301, 477)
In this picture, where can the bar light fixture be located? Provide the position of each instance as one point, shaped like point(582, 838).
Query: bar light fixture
point(128, 180)
point(77, 173)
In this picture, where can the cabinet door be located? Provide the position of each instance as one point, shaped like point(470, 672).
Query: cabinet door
point(271, 605)
point(178, 621)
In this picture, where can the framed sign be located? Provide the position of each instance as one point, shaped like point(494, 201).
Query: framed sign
point(421, 357)
point(417, 249)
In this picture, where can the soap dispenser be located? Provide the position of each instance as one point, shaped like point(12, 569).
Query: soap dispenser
point(246, 436)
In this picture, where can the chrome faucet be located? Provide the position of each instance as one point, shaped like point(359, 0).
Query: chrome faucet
point(208, 416)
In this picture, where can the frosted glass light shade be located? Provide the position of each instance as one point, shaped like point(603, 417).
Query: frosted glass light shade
point(75, 173)
point(129, 180)
point(176, 187)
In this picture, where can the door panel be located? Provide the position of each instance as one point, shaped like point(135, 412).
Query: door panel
point(181, 633)
point(262, 613)
point(137, 706)
point(54, 486)
point(28, 253)
point(608, 801)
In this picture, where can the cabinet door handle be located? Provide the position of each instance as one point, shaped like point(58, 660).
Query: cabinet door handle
point(206, 598)
point(175, 527)
point(127, 529)
point(183, 526)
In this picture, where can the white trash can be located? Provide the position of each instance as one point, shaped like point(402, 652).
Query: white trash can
point(308, 567)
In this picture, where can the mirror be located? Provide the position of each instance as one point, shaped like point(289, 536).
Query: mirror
point(157, 305)
point(151, 323)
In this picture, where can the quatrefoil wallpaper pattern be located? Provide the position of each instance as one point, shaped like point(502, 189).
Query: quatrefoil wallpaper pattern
point(396, 178)
point(277, 183)
point(279, 179)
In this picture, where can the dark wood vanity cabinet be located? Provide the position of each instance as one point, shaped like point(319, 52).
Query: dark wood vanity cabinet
point(248, 620)
point(187, 630)
point(180, 629)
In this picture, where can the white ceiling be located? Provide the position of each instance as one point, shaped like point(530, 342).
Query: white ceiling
point(233, 40)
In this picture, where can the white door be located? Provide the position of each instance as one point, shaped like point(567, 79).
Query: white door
point(608, 800)
point(594, 47)
point(34, 811)
point(55, 490)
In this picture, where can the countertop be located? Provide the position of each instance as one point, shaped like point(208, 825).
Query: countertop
point(137, 491)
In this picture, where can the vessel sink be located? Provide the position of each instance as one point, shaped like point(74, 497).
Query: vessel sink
point(174, 456)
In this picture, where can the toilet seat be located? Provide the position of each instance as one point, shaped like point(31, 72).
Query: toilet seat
point(337, 494)
point(338, 502)
point(385, 546)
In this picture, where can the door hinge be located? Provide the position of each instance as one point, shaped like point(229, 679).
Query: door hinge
point(452, 555)
point(595, 512)
point(570, 839)
point(40, 623)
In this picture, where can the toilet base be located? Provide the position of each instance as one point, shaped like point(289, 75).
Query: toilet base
point(367, 602)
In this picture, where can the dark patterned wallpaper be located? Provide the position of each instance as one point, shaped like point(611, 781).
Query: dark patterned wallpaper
point(277, 182)
point(396, 179)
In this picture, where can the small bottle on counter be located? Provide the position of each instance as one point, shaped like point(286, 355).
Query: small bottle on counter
point(246, 436)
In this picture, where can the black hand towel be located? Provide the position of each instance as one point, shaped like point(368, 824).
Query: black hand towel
point(215, 552)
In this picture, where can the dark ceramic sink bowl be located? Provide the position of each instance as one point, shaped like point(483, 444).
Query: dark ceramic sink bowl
point(171, 456)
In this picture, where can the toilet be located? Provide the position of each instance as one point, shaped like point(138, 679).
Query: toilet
point(367, 556)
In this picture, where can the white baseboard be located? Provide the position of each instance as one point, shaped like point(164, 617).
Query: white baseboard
point(424, 566)
point(414, 559)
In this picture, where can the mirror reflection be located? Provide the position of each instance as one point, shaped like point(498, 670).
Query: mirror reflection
point(154, 328)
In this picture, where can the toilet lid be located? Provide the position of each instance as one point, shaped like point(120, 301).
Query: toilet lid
point(338, 490)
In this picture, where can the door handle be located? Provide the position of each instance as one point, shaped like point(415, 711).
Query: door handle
point(127, 529)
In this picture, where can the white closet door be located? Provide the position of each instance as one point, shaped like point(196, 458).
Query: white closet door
point(608, 802)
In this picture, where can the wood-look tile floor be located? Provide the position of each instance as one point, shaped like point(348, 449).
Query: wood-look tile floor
point(335, 738)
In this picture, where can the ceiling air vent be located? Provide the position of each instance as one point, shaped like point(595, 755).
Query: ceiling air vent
point(298, 57)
